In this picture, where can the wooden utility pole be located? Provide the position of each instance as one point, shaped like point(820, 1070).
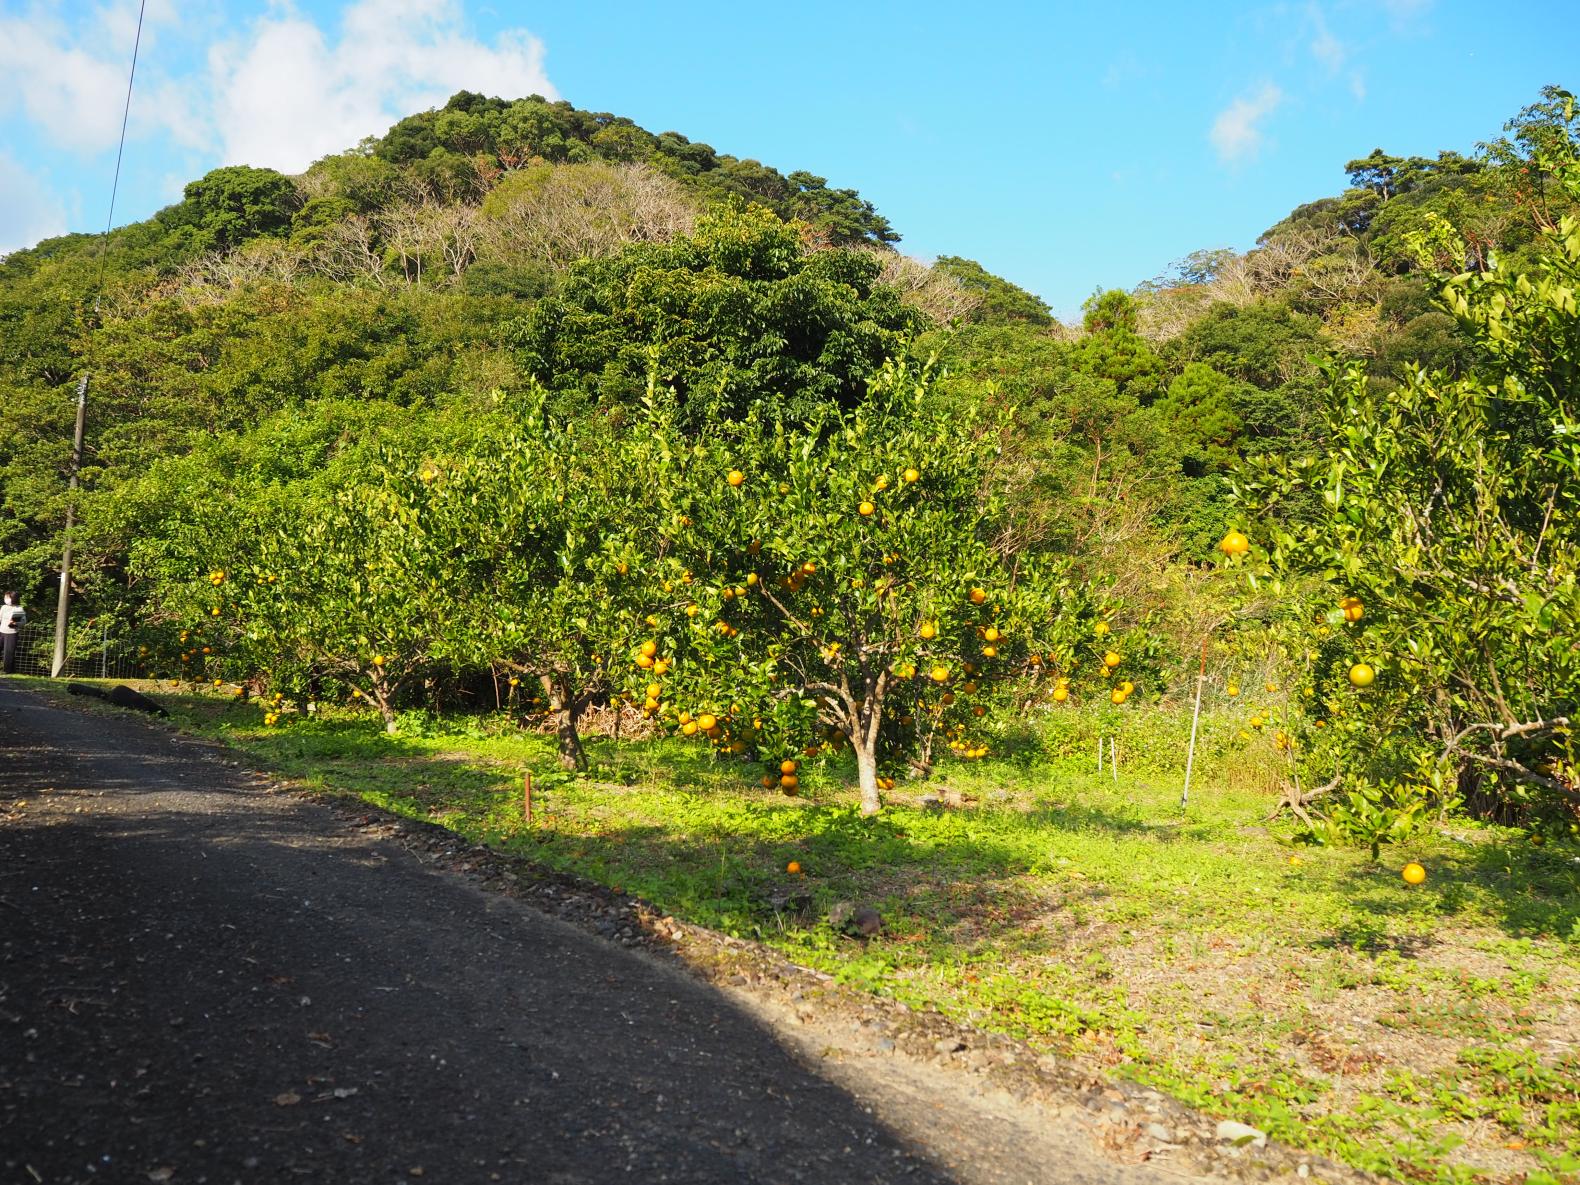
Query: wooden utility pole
point(62, 603)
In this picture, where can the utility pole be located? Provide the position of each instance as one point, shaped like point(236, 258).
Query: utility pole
point(62, 603)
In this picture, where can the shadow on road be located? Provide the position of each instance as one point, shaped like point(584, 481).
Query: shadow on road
point(199, 977)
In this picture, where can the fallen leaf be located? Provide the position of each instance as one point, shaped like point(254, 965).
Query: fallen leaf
point(162, 1174)
point(287, 1099)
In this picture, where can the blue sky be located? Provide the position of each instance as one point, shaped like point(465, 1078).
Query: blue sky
point(1065, 146)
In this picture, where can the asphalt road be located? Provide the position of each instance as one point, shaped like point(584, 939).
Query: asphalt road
point(200, 982)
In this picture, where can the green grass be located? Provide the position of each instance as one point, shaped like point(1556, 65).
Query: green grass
point(1411, 1032)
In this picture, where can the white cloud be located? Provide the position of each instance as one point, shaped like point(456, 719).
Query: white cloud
point(1325, 47)
point(28, 210)
point(1235, 134)
point(286, 95)
point(282, 94)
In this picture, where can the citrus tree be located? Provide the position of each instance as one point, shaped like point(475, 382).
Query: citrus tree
point(840, 582)
point(542, 536)
point(1436, 596)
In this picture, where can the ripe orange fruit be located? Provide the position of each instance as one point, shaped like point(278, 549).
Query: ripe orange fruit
point(707, 722)
point(1117, 695)
point(1353, 609)
point(789, 781)
point(992, 634)
point(649, 649)
point(939, 674)
point(654, 690)
point(1234, 543)
point(977, 596)
point(912, 475)
point(929, 629)
point(865, 509)
point(736, 477)
point(1362, 675)
point(378, 660)
point(808, 568)
point(1060, 694)
point(947, 698)
point(979, 710)
point(1232, 689)
point(1413, 873)
point(787, 766)
point(689, 728)
point(1111, 659)
point(1257, 722)
point(768, 781)
point(793, 867)
point(1127, 687)
point(1100, 629)
point(661, 665)
point(644, 661)
point(990, 652)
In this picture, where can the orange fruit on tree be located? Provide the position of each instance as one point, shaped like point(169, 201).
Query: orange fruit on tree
point(912, 475)
point(736, 477)
point(1234, 543)
point(1060, 694)
point(1117, 695)
point(707, 722)
point(977, 596)
point(939, 674)
point(929, 629)
point(789, 781)
point(992, 634)
point(1353, 609)
point(793, 867)
point(1271, 686)
point(1413, 873)
point(990, 652)
point(1111, 659)
point(649, 649)
point(787, 766)
point(1232, 690)
point(644, 661)
point(768, 781)
point(1362, 675)
point(865, 509)
point(1100, 629)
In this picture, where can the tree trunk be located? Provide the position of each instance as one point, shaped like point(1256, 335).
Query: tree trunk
point(867, 775)
point(563, 706)
point(383, 698)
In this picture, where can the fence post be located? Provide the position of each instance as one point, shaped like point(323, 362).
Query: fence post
point(1190, 757)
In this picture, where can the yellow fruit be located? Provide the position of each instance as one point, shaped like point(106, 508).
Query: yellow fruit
point(992, 634)
point(1117, 695)
point(1234, 543)
point(793, 867)
point(1413, 873)
point(622, 567)
point(912, 475)
point(692, 610)
point(1111, 659)
point(977, 596)
point(707, 722)
point(1362, 675)
point(650, 703)
point(514, 681)
point(644, 661)
point(1100, 629)
point(378, 660)
point(1353, 609)
point(789, 781)
point(1232, 690)
point(787, 766)
point(1271, 686)
point(939, 674)
point(1127, 687)
point(661, 665)
point(736, 477)
point(649, 649)
point(865, 509)
point(654, 690)
point(1060, 694)
point(651, 620)
point(990, 652)
point(808, 568)
point(882, 483)
point(689, 728)
point(929, 630)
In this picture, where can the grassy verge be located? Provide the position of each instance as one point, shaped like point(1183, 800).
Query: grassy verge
point(1428, 1033)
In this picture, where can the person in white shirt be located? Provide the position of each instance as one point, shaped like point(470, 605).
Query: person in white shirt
point(11, 616)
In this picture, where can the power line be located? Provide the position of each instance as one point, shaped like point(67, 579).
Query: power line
point(63, 601)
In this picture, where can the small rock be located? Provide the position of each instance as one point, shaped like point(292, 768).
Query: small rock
point(1241, 1134)
point(949, 1045)
point(1303, 1170)
point(884, 1045)
point(1160, 1133)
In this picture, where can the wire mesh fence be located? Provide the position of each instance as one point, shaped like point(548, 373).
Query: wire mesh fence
point(88, 655)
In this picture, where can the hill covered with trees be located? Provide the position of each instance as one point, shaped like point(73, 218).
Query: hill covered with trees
point(273, 348)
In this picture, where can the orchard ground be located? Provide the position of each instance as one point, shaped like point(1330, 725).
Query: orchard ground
point(1423, 1033)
